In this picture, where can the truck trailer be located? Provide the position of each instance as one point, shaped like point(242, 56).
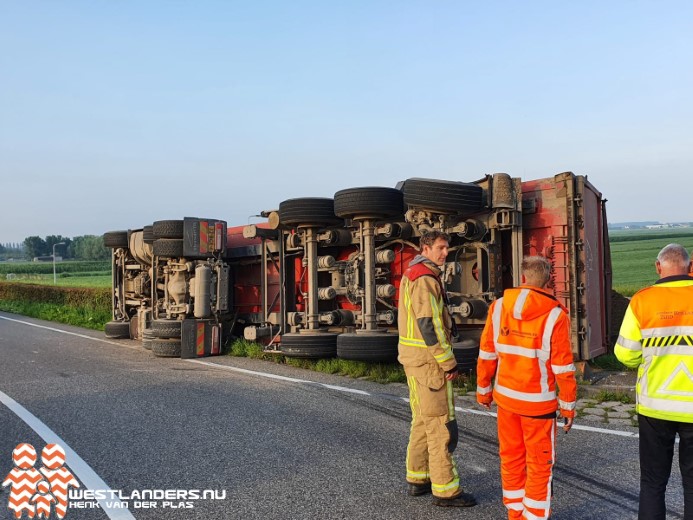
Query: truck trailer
point(320, 277)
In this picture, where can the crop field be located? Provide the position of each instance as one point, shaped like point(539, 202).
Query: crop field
point(633, 254)
point(68, 273)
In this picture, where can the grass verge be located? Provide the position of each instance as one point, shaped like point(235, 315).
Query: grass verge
point(86, 317)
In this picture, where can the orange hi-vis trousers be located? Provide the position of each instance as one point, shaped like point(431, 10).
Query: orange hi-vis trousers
point(527, 455)
point(433, 438)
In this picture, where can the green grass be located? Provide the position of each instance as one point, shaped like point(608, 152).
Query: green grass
point(606, 395)
point(85, 317)
point(633, 254)
point(67, 266)
point(66, 279)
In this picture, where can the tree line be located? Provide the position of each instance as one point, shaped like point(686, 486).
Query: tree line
point(85, 247)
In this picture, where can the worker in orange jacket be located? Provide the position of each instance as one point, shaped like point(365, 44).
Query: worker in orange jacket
point(525, 349)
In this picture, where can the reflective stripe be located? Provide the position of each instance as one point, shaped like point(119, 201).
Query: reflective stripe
point(438, 323)
point(455, 483)
point(683, 393)
point(536, 504)
point(562, 369)
point(489, 356)
point(528, 515)
point(483, 389)
point(546, 348)
point(444, 356)
point(667, 331)
point(676, 350)
point(628, 343)
point(515, 506)
point(412, 342)
point(665, 405)
point(518, 351)
point(495, 319)
point(567, 405)
point(418, 475)
point(538, 397)
point(520, 304)
point(513, 493)
point(451, 401)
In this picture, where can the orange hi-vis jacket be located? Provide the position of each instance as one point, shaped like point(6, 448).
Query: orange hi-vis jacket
point(525, 345)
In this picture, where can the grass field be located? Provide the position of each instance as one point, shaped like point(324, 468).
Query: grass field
point(69, 273)
point(633, 254)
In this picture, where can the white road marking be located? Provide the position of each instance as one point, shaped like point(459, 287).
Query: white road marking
point(80, 468)
point(405, 399)
point(331, 387)
point(68, 332)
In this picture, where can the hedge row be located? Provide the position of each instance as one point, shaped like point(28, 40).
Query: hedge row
point(81, 266)
point(98, 299)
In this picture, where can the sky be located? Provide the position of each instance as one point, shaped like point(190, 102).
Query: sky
point(114, 114)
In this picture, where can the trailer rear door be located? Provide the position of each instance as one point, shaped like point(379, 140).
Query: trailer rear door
point(564, 219)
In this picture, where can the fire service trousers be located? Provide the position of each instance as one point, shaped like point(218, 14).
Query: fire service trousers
point(433, 437)
point(527, 455)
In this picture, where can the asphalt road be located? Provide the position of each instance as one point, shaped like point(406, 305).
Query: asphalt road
point(270, 441)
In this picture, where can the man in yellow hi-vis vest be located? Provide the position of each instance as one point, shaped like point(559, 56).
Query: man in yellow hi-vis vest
point(425, 351)
point(657, 337)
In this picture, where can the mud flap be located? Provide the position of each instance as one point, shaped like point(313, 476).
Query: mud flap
point(200, 338)
point(453, 430)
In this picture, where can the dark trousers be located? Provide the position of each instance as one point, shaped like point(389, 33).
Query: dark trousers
point(657, 439)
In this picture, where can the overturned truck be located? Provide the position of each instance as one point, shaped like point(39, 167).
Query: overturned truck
point(320, 278)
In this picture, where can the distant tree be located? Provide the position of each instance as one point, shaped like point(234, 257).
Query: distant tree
point(34, 246)
point(63, 251)
point(90, 247)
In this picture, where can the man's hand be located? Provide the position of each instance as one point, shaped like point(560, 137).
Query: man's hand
point(567, 424)
point(452, 374)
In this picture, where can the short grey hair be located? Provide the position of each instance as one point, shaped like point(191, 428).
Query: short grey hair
point(674, 255)
point(537, 270)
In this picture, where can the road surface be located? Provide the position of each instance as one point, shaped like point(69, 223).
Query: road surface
point(265, 441)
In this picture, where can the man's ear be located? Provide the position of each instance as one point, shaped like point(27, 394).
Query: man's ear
point(523, 279)
point(690, 267)
point(658, 267)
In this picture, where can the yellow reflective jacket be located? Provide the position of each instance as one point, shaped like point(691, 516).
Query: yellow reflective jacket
point(657, 337)
point(423, 319)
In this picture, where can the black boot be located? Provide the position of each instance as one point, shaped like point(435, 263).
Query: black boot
point(416, 490)
point(461, 499)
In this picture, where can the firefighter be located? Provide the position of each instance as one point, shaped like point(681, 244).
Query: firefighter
point(525, 350)
point(657, 337)
point(425, 351)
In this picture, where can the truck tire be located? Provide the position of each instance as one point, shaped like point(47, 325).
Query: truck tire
point(115, 239)
point(148, 234)
point(309, 346)
point(166, 328)
point(166, 347)
point(466, 353)
point(147, 339)
point(369, 202)
point(443, 196)
point(376, 347)
point(168, 229)
point(308, 211)
point(117, 329)
point(168, 247)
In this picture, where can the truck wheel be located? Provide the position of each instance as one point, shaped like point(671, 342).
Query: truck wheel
point(115, 239)
point(443, 196)
point(166, 329)
point(368, 202)
point(166, 347)
point(147, 339)
point(375, 347)
point(148, 234)
point(168, 229)
point(117, 329)
point(307, 211)
point(309, 346)
point(466, 353)
point(168, 247)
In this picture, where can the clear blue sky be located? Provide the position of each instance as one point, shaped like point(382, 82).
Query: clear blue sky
point(117, 113)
